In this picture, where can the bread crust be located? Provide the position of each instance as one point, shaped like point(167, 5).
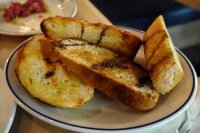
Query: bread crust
point(110, 37)
point(105, 82)
point(162, 59)
point(44, 77)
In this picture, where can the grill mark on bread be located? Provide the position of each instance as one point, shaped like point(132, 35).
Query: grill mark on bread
point(102, 33)
point(159, 31)
point(111, 63)
point(158, 44)
point(153, 67)
point(61, 45)
point(74, 44)
point(100, 37)
point(143, 81)
point(82, 29)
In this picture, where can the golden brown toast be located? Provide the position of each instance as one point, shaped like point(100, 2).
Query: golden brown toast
point(162, 59)
point(110, 37)
point(44, 76)
point(119, 78)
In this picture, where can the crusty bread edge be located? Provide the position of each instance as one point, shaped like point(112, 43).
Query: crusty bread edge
point(18, 59)
point(159, 25)
point(131, 50)
point(119, 92)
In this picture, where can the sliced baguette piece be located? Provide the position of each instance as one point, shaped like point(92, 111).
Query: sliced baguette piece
point(110, 37)
point(161, 57)
point(115, 76)
point(44, 77)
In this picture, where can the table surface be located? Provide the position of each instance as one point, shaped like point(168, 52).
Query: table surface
point(23, 121)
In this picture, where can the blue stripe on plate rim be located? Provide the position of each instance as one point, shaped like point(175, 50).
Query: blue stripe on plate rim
point(54, 121)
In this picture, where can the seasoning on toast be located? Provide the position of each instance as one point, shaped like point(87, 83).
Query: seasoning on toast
point(117, 77)
point(161, 57)
point(44, 76)
point(117, 40)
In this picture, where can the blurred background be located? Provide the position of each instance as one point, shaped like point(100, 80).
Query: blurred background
point(182, 18)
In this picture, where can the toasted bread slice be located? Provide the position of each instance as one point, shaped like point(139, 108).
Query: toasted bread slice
point(115, 76)
point(44, 77)
point(162, 59)
point(110, 37)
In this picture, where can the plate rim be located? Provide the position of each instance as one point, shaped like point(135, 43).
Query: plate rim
point(74, 127)
point(14, 107)
point(74, 4)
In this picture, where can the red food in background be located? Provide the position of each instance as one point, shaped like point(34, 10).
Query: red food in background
point(23, 10)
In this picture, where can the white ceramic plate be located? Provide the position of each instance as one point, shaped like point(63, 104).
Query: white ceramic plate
point(102, 114)
point(7, 105)
point(31, 24)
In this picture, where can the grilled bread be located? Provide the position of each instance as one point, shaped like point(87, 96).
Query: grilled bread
point(115, 76)
point(44, 77)
point(161, 57)
point(110, 37)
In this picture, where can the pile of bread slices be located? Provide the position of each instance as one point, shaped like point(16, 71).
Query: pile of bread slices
point(63, 65)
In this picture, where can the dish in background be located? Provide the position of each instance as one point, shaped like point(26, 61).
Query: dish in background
point(7, 105)
point(102, 114)
point(31, 25)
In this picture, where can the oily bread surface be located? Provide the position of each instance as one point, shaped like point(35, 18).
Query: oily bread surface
point(116, 76)
point(110, 37)
point(44, 77)
point(162, 59)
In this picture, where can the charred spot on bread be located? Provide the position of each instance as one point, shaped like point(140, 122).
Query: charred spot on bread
point(48, 61)
point(66, 42)
point(143, 81)
point(49, 74)
point(158, 43)
point(111, 63)
point(102, 33)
